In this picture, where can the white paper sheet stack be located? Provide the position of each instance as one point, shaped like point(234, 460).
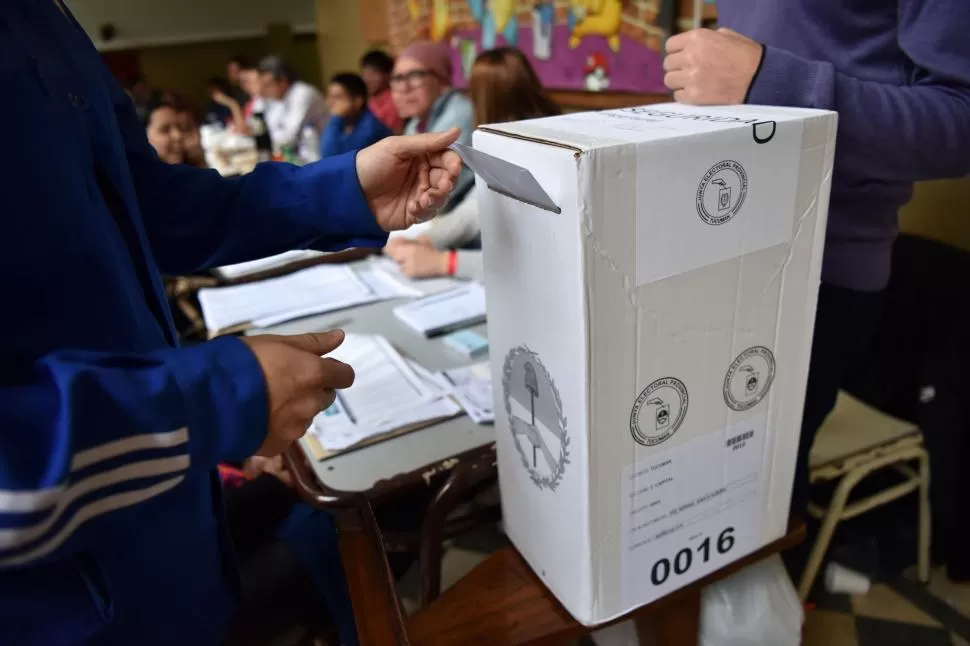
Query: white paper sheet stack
point(388, 394)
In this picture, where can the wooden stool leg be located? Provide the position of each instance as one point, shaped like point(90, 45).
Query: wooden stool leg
point(674, 624)
point(923, 558)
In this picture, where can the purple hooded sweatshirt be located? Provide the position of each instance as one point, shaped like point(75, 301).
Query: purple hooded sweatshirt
point(898, 74)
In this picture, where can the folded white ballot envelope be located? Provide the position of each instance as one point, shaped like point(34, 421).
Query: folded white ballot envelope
point(505, 177)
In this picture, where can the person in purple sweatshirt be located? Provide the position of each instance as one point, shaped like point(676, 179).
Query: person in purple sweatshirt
point(898, 74)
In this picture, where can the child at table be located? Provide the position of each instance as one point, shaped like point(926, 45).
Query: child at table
point(352, 125)
point(503, 87)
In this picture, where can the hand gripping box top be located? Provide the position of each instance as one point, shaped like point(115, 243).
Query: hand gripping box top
point(650, 343)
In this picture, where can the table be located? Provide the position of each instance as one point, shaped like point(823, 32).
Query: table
point(369, 467)
point(457, 455)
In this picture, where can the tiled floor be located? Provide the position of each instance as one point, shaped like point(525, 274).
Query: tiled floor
point(884, 617)
point(899, 613)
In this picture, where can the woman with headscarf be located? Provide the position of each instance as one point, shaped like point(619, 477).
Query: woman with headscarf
point(503, 87)
point(422, 92)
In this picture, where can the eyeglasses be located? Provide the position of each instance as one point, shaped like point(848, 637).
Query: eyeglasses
point(409, 80)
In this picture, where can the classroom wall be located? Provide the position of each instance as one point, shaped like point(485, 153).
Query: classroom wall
point(184, 69)
point(142, 23)
point(179, 44)
point(340, 40)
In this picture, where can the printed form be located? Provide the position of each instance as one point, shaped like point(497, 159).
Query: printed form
point(446, 311)
point(691, 510)
point(387, 395)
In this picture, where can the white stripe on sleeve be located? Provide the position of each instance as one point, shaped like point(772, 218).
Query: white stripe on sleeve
point(89, 512)
point(141, 442)
point(13, 538)
point(27, 501)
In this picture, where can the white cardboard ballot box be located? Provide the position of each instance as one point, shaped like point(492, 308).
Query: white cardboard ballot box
point(650, 342)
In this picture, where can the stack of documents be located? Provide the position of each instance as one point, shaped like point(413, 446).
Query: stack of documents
point(390, 393)
point(413, 232)
point(319, 289)
point(243, 269)
point(389, 270)
point(446, 311)
point(471, 387)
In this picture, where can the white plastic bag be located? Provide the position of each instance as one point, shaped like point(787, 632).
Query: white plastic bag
point(757, 606)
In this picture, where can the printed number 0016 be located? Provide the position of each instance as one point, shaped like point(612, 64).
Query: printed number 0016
point(660, 571)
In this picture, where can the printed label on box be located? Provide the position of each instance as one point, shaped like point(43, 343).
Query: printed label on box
point(709, 199)
point(691, 510)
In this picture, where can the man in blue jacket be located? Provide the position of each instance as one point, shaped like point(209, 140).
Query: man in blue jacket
point(111, 527)
point(898, 73)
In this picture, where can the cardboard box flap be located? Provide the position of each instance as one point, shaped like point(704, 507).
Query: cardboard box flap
point(584, 131)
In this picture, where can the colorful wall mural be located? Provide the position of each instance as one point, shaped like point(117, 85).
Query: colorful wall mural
point(593, 45)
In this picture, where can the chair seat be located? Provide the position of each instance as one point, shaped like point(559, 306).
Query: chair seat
point(854, 427)
point(501, 601)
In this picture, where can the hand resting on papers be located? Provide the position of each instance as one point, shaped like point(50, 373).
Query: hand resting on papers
point(299, 383)
point(417, 258)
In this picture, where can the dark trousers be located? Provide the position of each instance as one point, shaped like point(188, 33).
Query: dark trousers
point(845, 326)
point(277, 588)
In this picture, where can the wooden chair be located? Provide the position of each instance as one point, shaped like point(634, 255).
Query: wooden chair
point(855, 441)
point(455, 480)
point(500, 602)
point(181, 293)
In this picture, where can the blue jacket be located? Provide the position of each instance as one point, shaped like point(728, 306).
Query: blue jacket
point(368, 130)
point(111, 524)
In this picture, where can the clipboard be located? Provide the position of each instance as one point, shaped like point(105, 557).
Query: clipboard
point(318, 453)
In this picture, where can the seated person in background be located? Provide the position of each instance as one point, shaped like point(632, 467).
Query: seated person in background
point(141, 94)
point(422, 92)
point(220, 112)
point(164, 134)
point(292, 104)
point(352, 125)
point(241, 113)
point(503, 87)
point(235, 67)
point(376, 68)
point(191, 138)
point(173, 133)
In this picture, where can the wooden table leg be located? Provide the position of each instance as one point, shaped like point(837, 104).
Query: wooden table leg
point(675, 624)
point(464, 478)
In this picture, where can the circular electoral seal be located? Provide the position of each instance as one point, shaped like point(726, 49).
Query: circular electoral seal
point(721, 192)
point(535, 417)
point(659, 411)
point(749, 378)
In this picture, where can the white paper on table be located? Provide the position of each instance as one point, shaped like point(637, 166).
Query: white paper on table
point(388, 270)
point(384, 285)
point(426, 376)
point(323, 288)
point(238, 270)
point(388, 394)
point(472, 388)
point(444, 312)
point(342, 438)
point(413, 232)
point(385, 383)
